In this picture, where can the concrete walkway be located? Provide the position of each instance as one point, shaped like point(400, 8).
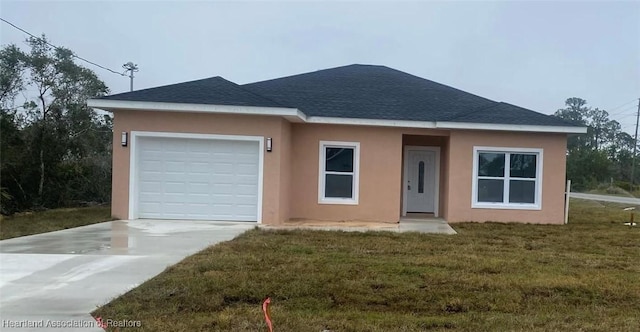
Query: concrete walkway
point(60, 277)
point(431, 225)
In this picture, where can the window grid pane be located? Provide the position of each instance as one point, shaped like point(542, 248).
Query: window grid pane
point(518, 186)
point(522, 191)
point(523, 165)
point(490, 191)
point(491, 164)
point(338, 186)
point(339, 159)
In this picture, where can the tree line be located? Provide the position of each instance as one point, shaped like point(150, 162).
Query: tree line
point(602, 155)
point(56, 152)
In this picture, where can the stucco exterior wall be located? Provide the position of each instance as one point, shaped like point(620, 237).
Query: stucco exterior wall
point(460, 160)
point(285, 171)
point(290, 180)
point(380, 170)
point(274, 210)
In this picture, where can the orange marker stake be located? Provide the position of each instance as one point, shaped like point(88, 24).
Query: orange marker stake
point(267, 318)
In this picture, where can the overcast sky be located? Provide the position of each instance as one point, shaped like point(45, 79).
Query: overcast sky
point(532, 54)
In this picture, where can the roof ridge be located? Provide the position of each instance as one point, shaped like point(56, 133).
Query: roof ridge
point(241, 87)
point(168, 85)
point(312, 72)
point(438, 83)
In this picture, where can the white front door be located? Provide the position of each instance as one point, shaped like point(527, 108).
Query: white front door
point(420, 181)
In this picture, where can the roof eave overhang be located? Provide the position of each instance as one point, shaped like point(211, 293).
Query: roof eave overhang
point(370, 122)
point(511, 127)
point(291, 114)
point(295, 115)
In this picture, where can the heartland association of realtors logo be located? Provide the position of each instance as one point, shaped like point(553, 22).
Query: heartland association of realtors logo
point(101, 323)
point(69, 324)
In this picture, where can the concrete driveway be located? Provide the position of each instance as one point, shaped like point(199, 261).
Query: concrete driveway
point(52, 281)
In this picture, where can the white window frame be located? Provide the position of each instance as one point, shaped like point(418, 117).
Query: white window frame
point(322, 172)
point(537, 205)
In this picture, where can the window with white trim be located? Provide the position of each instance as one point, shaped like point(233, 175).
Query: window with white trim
point(507, 178)
point(339, 171)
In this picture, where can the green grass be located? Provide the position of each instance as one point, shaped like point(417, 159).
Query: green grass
point(28, 223)
point(490, 277)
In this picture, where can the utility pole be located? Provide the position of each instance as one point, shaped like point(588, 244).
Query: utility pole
point(635, 146)
point(131, 68)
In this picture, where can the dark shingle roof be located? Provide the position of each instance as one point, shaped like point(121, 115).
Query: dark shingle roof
point(364, 91)
point(509, 114)
point(354, 91)
point(214, 91)
point(379, 92)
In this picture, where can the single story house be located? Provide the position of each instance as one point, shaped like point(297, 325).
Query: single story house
point(353, 143)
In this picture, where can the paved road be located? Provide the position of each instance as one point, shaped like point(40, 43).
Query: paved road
point(60, 277)
point(607, 198)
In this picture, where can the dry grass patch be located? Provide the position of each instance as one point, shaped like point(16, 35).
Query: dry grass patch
point(489, 277)
point(29, 223)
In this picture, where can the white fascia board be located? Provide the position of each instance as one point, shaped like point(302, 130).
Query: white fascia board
point(511, 127)
point(295, 115)
point(109, 105)
point(371, 122)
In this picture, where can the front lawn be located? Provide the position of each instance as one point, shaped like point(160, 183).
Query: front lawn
point(489, 277)
point(28, 223)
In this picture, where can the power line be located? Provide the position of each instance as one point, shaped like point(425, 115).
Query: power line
point(630, 107)
point(627, 115)
point(629, 102)
point(56, 47)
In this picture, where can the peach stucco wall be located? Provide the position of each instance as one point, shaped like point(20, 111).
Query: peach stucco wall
point(461, 145)
point(285, 172)
point(276, 170)
point(290, 187)
point(380, 170)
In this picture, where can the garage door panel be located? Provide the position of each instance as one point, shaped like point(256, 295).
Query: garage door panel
point(199, 200)
point(244, 169)
point(151, 165)
point(176, 166)
point(172, 187)
point(199, 147)
point(175, 208)
point(223, 200)
point(222, 168)
point(199, 167)
point(245, 190)
point(151, 154)
point(150, 186)
point(173, 199)
point(247, 179)
point(207, 179)
point(199, 189)
point(151, 206)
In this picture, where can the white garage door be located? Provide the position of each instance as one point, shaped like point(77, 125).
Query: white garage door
point(198, 179)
